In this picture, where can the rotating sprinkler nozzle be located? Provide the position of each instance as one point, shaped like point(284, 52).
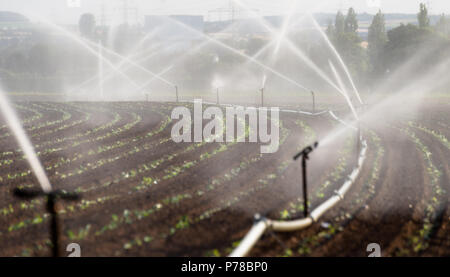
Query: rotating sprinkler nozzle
point(305, 156)
point(52, 197)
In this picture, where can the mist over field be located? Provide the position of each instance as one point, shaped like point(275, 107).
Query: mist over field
point(115, 119)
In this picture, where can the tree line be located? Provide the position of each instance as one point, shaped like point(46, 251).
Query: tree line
point(49, 64)
point(423, 45)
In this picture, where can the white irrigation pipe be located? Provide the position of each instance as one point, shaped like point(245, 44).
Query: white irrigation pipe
point(342, 121)
point(264, 224)
point(259, 108)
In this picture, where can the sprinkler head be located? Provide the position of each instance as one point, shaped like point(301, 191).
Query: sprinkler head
point(257, 218)
point(305, 152)
point(33, 193)
point(27, 193)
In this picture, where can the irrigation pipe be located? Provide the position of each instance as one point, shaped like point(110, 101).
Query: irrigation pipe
point(342, 121)
point(281, 110)
point(263, 224)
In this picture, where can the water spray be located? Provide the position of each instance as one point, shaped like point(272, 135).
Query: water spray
point(100, 69)
point(38, 170)
point(176, 93)
point(305, 156)
point(342, 90)
point(338, 56)
point(237, 52)
point(52, 197)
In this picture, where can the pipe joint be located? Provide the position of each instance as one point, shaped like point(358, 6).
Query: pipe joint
point(257, 218)
point(339, 194)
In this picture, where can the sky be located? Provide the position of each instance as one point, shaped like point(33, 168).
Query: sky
point(68, 11)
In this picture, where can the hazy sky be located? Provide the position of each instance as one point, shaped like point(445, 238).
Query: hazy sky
point(60, 12)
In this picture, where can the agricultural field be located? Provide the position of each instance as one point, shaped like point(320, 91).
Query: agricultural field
point(145, 195)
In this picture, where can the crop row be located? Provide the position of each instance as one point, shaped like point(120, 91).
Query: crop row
point(439, 136)
point(146, 182)
point(333, 177)
point(124, 176)
point(65, 117)
point(79, 155)
point(338, 222)
point(36, 115)
point(419, 241)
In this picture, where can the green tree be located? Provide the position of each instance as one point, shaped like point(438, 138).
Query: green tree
point(377, 40)
point(339, 24)
point(351, 22)
point(421, 48)
point(345, 38)
point(443, 26)
point(422, 16)
point(86, 25)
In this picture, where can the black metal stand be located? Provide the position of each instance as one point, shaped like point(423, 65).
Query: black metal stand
point(305, 156)
point(52, 197)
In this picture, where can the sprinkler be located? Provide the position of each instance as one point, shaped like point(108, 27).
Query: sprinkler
point(314, 101)
point(216, 85)
point(52, 197)
point(262, 97)
point(305, 156)
point(217, 93)
point(176, 93)
point(263, 87)
point(146, 97)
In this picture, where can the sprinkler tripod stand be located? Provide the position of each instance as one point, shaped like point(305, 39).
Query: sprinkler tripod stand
point(52, 197)
point(305, 156)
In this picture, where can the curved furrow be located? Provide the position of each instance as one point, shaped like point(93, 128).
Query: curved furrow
point(199, 214)
point(24, 112)
point(202, 158)
point(45, 125)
